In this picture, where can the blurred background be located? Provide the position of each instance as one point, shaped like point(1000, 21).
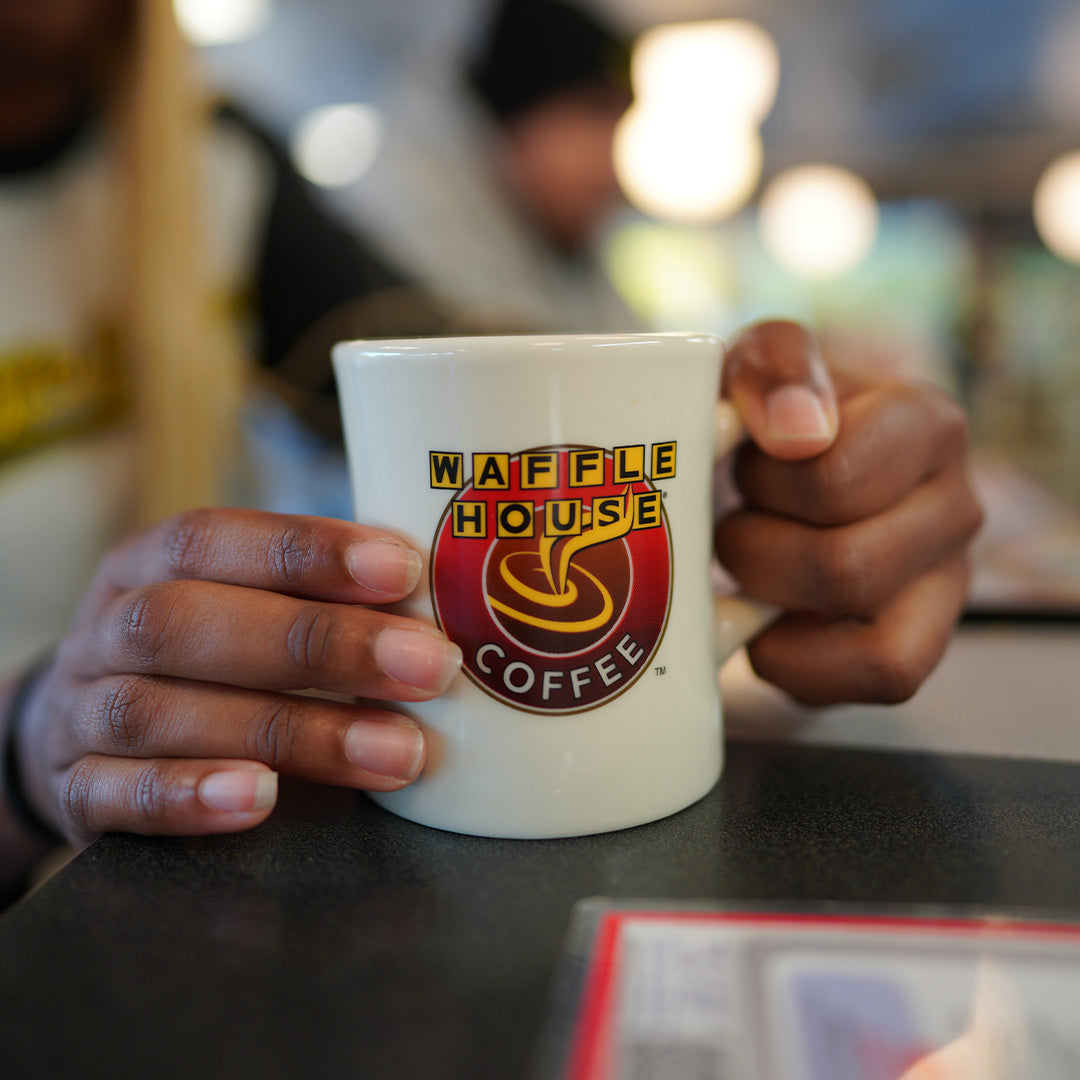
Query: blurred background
point(902, 174)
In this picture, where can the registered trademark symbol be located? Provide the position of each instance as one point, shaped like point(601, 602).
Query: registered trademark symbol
point(663, 494)
point(660, 670)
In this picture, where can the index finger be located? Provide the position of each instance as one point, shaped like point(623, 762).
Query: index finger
point(313, 558)
point(778, 381)
point(893, 437)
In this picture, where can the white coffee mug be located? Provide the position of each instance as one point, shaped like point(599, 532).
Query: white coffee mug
point(560, 487)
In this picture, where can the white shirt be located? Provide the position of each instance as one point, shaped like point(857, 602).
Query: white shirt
point(66, 468)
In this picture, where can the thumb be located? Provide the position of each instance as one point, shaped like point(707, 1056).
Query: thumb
point(778, 381)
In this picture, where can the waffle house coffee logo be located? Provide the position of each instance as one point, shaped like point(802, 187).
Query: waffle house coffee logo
point(551, 568)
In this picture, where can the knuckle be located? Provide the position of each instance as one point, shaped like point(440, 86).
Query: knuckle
point(826, 488)
point(309, 639)
point(974, 515)
point(275, 733)
point(292, 554)
point(767, 660)
point(117, 715)
point(149, 797)
point(76, 798)
point(960, 515)
point(187, 543)
point(146, 624)
point(947, 417)
point(953, 420)
point(978, 518)
point(839, 579)
point(893, 672)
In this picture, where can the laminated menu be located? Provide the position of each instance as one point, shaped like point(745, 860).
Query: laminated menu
point(703, 993)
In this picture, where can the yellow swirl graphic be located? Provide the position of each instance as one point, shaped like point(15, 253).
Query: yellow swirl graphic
point(563, 591)
point(574, 626)
point(535, 595)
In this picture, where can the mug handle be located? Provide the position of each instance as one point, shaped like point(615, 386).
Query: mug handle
point(739, 617)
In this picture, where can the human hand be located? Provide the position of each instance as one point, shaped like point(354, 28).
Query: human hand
point(172, 703)
point(857, 515)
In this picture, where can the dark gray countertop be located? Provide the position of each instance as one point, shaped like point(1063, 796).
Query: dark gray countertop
point(337, 940)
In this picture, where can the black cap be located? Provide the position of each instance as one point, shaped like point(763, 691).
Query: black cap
point(534, 49)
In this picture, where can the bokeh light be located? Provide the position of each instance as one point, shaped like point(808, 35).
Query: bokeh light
point(336, 145)
point(726, 66)
point(1057, 207)
point(689, 151)
point(684, 166)
point(818, 221)
point(221, 22)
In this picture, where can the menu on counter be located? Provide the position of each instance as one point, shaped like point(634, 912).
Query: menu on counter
point(677, 993)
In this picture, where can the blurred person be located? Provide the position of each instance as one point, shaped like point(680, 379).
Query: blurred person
point(493, 189)
point(133, 227)
point(157, 709)
point(147, 245)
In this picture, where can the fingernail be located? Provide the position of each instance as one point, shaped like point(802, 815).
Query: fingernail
point(239, 792)
point(383, 566)
point(796, 412)
point(386, 747)
point(425, 661)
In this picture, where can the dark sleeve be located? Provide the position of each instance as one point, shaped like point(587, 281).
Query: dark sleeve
point(316, 283)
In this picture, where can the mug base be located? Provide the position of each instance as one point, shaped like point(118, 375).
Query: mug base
point(591, 825)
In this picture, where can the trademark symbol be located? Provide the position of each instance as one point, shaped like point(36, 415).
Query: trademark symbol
point(660, 670)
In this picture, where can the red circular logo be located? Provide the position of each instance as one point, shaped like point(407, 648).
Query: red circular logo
point(551, 568)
